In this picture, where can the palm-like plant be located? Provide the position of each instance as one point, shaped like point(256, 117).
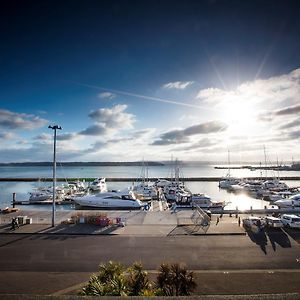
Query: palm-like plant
point(175, 280)
point(114, 280)
point(138, 280)
point(94, 287)
point(109, 271)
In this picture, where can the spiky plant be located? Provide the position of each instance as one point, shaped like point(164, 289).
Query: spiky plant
point(138, 280)
point(175, 280)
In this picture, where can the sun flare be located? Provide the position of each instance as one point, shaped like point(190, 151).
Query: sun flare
point(240, 118)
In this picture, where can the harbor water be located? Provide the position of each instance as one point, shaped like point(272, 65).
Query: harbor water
point(210, 188)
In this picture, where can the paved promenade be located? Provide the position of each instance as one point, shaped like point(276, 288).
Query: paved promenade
point(158, 223)
point(39, 259)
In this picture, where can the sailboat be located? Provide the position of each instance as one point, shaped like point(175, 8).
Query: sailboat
point(143, 188)
point(227, 182)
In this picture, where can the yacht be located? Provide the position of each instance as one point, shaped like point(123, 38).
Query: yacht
point(227, 182)
point(98, 184)
point(188, 200)
point(274, 185)
point(293, 201)
point(144, 190)
point(110, 200)
point(40, 196)
point(204, 201)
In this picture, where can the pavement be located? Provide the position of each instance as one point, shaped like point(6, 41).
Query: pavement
point(151, 223)
point(40, 259)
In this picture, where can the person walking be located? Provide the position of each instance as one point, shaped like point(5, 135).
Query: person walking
point(13, 224)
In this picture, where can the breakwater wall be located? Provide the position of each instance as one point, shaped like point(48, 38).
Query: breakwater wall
point(133, 179)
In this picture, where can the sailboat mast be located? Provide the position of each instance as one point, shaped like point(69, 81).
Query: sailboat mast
point(228, 162)
point(266, 170)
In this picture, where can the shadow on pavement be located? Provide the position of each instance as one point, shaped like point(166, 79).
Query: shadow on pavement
point(277, 236)
point(258, 237)
point(293, 233)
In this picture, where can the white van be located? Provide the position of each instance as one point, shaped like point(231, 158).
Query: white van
point(249, 222)
point(273, 222)
point(291, 221)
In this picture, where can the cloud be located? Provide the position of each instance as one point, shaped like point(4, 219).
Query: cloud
point(114, 118)
point(294, 134)
point(12, 120)
point(288, 125)
point(271, 92)
point(180, 85)
point(107, 95)
point(6, 135)
point(202, 144)
point(43, 137)
point(97, 129)
point(41, 112)
point(288, 110)
point(181, 136)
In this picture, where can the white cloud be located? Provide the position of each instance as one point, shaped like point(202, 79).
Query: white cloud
point(180, 85)
point(106, 95)
point(114, 118)
point(13, 120)
point(269, 93)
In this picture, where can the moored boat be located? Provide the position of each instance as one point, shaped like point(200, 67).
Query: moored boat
point(110, 200)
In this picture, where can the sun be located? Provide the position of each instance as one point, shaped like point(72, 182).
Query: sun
point(240, 118)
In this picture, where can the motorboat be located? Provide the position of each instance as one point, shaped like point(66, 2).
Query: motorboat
point(46, 194)
point(274, 185)
point(110, 200)
point(293, 201)
point(204, 201)
point(40, 196)
point(98, 185)
point(144, 190)
point(161, 183)
point(227, 182)
point(188, 200)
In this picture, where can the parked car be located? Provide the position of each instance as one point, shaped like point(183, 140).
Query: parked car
point(292, 221)
point(273, 222)
point(250, 222)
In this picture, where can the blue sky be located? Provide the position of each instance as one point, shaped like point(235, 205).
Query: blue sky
point(134, 79)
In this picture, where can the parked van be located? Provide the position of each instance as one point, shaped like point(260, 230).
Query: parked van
point(273, 222)
point(253, 222)
point(291, 221)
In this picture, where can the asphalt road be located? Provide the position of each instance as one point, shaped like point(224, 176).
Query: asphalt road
point(58, 264)
point(55, 253)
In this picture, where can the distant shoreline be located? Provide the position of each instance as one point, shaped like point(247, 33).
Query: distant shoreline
point(134, 179)
point(82, 164)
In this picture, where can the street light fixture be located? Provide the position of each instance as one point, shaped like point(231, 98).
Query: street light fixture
point(55, 127)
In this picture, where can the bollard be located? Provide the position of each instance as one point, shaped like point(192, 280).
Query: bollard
point(251, 211)
point(265, 207)
point(237, 211)
point(14, 200)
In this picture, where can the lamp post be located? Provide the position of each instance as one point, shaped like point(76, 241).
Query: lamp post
point(55, 127)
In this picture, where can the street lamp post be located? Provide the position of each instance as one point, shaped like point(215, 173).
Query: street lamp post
point(55, 127)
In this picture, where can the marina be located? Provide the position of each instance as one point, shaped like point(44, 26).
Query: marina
point(33, 179)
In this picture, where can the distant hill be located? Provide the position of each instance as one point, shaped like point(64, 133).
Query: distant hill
point(81, 164)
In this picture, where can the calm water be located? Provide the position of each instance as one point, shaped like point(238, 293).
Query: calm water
point(211, 188)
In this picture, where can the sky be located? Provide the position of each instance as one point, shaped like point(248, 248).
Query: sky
point(132, 80)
